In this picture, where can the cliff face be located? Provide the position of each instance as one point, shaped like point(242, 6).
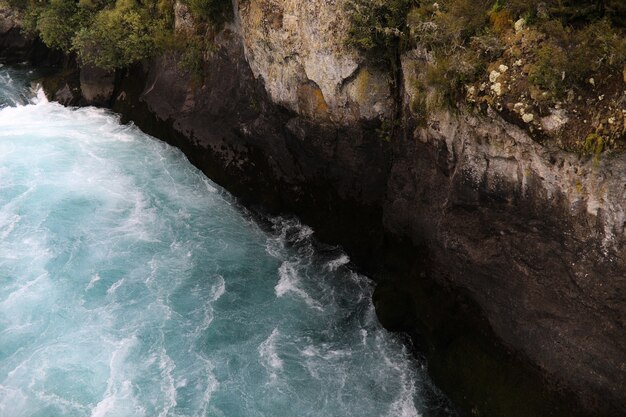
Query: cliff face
point(504, 258)
point(297, 49)
point(534, 235)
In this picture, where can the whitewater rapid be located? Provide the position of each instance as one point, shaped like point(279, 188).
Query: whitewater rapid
point(132, 285)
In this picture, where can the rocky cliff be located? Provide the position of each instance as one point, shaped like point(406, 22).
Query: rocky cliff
point(503, 257)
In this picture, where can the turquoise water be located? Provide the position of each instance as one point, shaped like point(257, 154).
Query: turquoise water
point(131, 285)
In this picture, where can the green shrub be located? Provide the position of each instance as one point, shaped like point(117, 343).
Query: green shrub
point(115, 33)
point(572, 11)
point(448, 75)
point(30, 17)
point(501, 20)
point(378, 28)
point(56, 23)
point(449, 26)
point(18, 4)
point(216, 12)
point(569, 57)
point(117, 38)
point(194, 51)
point(465, 18)
point(461, 37)
point(549, 70)
point(165, 10)
point(595, 47)
point(458, 37)
point(556, 32)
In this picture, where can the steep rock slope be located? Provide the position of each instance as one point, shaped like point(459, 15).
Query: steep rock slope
point(535, 235)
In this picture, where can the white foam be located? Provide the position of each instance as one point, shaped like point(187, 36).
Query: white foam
point(146, 355)
point(115, 286)
point(209, 186)
point(66, 405)
point(95, 278)
point(118, 397)
point(404, 404)
point(212, 385)
point(273, 248)
point(325, 352)
point(218, 289)
point(7, 225)
point(337, 263)
point(40, 96)
point(11, 399)
point(288, 283)
point(168, 386)
point(269, 357)
point(310, 351)
point(25, 291)
point(142, 216)
point(364, 337)
point(304, 233)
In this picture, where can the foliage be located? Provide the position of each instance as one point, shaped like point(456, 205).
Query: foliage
point(192, 51)
point(594, 47)
point(378, 27)
point(17, 4)
point(211, 11)
point(461, 37)
point(56, 23)
point(114, 33)
point(575, 12)
point(445, 27)
point(569, 57)
point(459, 41)
point(448, 75)
point(548, 72)
point(116, 38)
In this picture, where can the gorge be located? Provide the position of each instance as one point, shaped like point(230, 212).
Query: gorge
point(501, 254)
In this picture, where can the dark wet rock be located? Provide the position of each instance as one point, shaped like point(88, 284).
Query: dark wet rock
point(63, 85)
point(12, 41)
point(18, 47)
point(64, 96)
point(96, 85)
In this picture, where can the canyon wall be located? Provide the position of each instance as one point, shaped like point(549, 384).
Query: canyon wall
point(504, 258)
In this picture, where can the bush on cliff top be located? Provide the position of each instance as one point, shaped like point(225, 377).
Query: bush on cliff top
point(117, 38)
point(215, 11)
point(462, 37)
point(112, 34)
point(378, 28)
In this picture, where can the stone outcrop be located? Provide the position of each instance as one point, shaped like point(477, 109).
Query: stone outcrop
point(298, 50)
point(96, 85)
point(505, 259)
